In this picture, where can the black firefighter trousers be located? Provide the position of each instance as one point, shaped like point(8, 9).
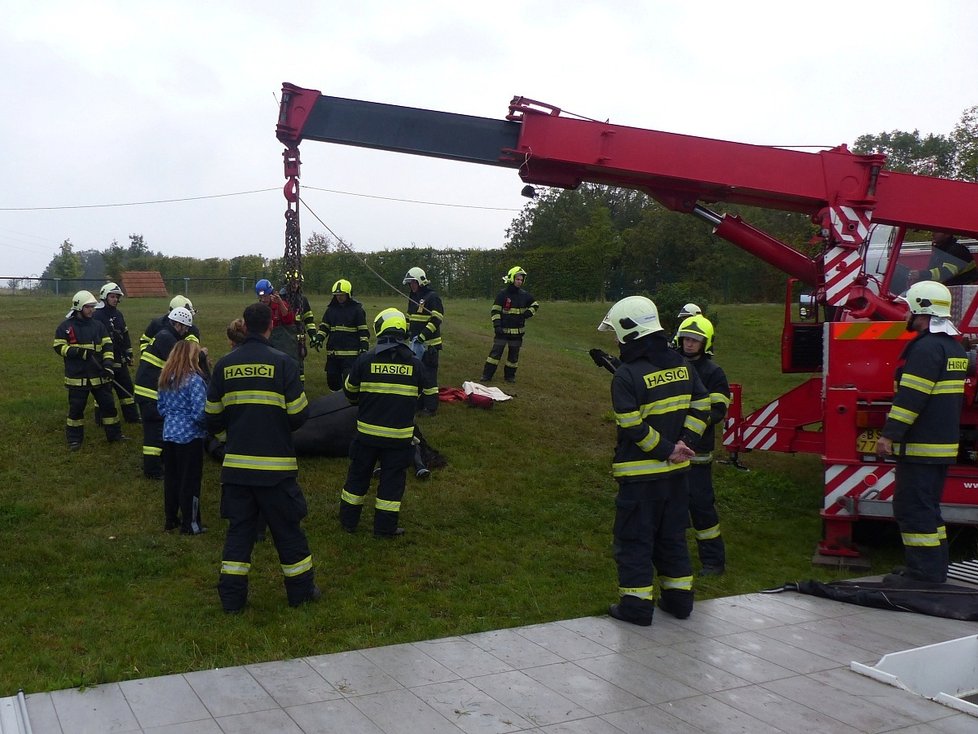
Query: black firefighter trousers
point(917, 510)
point(393, 472)
point(282, 506)
point(650, 538)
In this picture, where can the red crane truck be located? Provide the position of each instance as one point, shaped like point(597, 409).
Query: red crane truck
point(852, 331)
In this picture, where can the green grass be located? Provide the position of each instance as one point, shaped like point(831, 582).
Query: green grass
point(516, 530)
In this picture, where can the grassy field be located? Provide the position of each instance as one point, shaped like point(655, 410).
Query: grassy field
point(516, 530)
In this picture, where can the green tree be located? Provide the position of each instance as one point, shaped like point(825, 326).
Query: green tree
point(319, 244)
point(965, 137)
point(66, 265)
point(931, 155)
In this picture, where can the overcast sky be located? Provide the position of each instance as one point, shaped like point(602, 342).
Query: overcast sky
point(124, 102)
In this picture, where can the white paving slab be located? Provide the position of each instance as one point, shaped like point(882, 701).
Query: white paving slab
point(754, 663)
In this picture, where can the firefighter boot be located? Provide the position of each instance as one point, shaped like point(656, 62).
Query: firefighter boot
point(677, 602)
point(633, 610)
point(232, 588)
point(302, 589)
point(713, 556)
point(75, 435)
point(385, 524)
point(509, 373)
point(349, 512)
point(488, 370)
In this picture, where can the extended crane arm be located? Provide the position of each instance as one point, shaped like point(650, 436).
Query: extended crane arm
point(843, 192)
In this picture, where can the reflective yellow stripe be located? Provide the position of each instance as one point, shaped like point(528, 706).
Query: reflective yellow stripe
point(297, 405)
point(638, 468)
point(929, 450)
point(263, 463)
point(642, 592)
point(708, 533)
point(295, 569)
point(650, 441)
point(719, 397)
point(152, 450)
point(152, 359)
point(921, 540)
point(385, 431)
point(389, 388)
point(213, 408)
point(388, 505)
point(903, 415)
point(694, 424)
point(75, 422)
point(915, 382)
point(702, 458)
point(948, 387)
point(254, 397)
point(145, 392)
point(430, 391)
point(235, 568)
point(680, 582)
point(350, 498)
point(627, 420)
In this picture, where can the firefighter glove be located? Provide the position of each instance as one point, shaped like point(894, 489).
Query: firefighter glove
point(316, 340)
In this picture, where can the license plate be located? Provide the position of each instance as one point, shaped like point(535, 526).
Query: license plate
point(866, 441)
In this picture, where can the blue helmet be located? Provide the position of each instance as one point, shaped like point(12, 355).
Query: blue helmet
point(264, 287)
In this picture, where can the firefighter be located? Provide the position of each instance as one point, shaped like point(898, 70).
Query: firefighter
point(695, 340)
point(661, 409)
point(146, 339)
point(509, 312)
point(285, 335)
point(179, 322)
point(86, 348)
point(344, 332)
point(107, 311)
point(300, 304)
point(921, 431)
point(256, 397)
point(425, 313)
point(385, 383)
point(951, 262)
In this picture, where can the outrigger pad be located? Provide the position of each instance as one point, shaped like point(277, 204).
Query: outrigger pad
point(937, 600)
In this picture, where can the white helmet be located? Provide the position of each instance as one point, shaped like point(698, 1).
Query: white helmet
point(80, 300)
point(929, 298)
point(632, 318)
point(109, 288)
point(415, 274)
point(690, 309)
point(182, 316)
point(182, 302)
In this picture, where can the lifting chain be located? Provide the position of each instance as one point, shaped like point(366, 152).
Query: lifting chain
point(292, 260)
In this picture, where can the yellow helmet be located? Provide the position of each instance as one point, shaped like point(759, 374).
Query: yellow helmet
point(389, 322)
point(930, 298)
point(511, 274)
point(416, 274)
point(82, 299)
point(182, 302)
point(109, 288)
point(342, 286)
point(632, 318)
point(697, 327)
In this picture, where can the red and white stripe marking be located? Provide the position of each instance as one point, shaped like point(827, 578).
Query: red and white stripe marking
point(863, 481)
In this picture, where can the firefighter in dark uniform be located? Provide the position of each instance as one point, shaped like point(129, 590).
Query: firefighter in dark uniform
point(921, 432)
point(160, 322)
point(385, 383)
point(344, 332)
point(951, 262)
point(107, 311)
point(151, 360)
point(695, 341)
point(509, 312)
point(304, 317)
point(86, 348)
point(425, 313)
point(256, 397)
point(661, 409)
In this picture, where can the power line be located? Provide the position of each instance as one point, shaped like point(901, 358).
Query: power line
point(412, 201)
point(131, 203)
point(247, 193)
